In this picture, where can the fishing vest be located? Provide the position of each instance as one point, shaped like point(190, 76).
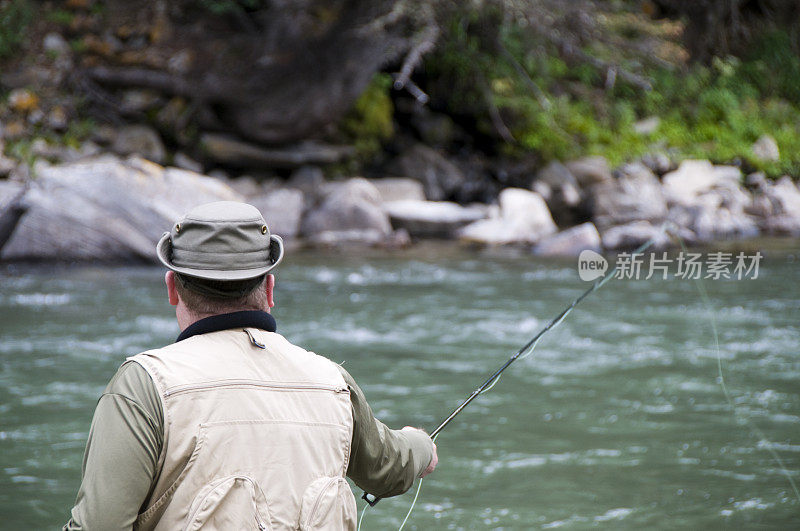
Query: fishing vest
point(257, 435)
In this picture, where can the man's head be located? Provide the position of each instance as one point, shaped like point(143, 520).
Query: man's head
point(219, 255)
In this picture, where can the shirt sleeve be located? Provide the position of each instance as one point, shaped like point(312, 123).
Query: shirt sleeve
point(120, 461)
point(383, 462)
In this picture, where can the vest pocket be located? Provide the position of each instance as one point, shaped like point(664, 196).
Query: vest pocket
point(231, 502)
point(328, 504)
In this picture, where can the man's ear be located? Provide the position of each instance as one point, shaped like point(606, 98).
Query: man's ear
point(269, 285)
point(172, 292)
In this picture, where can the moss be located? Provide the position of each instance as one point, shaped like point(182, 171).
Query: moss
point(369, 123)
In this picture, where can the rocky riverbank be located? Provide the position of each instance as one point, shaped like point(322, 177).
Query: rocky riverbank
point(102, 207)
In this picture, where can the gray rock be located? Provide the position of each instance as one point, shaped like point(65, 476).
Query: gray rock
point(352, 207)
point(523, 218)
point(229, 150)
point(184, 161)
point(140, 100)
point(140, 140)
point(430, 219)
point(105, 209)
point(555, 174)
point(590, 170)
point(7, 165)
point(647, 126)
point(282, 210)
point(766, 148)
point(659, 163)
point(245, 185)
point(570, 242)
point(694, 177)
point(399, 188)
point(777, 207)
point(631, 235)
point(635, 195)
point(55, 43)
point(440, 177)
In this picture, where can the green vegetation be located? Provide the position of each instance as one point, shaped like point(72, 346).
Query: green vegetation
point(369, 124)
point(15, 15)
point(561, 108)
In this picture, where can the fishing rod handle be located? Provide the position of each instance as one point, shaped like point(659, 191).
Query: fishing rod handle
point(371, 499)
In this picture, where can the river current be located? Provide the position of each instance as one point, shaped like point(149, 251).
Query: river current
point(617, 420)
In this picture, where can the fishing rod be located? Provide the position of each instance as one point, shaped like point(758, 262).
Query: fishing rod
point(525, 350)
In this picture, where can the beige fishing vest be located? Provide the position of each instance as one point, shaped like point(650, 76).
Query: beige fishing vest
point(254, 438)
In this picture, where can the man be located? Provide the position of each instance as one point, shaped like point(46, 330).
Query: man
point(232, 427)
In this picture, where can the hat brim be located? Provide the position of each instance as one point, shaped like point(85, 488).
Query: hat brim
point(276, 255)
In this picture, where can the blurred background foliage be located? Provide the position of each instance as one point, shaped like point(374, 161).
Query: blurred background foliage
point(522, 78)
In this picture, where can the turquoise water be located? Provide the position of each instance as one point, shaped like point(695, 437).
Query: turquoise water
point(618, 420)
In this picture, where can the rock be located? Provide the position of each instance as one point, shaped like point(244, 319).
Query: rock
point(184, 161)
point(635, 195)
point(570, 242)
point(339, 238)
point(14, 130)
point(631, 235)
point(777, 207)
point(555, 174)
point(12, 207)
point(136, 101)
point(693, 177)
point(559, 188)
point(440, 177)
point(245, 185)
point(353, 207)
point(23, 101)
point(430, 219)
point(105, 209)
point(229, 150)
point(139, 140)
point(589, 170)
point(766, 148)
point(55, 43)
point(399, 188)
point(57, 119)
point(7, 165)
point(282, 210)
point(647, 126)
point(659, 163)
point(523, 218)
point(309, 179)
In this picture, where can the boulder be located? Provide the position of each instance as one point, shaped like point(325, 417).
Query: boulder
point(777, 207)
point(631, 235)
point(589, 170)
point(709, 201)
point(351, 208)
point(694, 177)
point(282, 210)
point(105, 209)
point(140, 140)
point(556, 184)
point(647, 126)
point(523, 218)
point(440, 177)
point(430, 219)
point(570, 242)
point(766, 148)
point(399, 189)
point(235, 152)
point(635, 195)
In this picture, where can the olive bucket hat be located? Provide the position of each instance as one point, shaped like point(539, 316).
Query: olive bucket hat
point(225, 240)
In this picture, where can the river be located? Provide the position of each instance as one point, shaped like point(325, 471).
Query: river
point(618, 419)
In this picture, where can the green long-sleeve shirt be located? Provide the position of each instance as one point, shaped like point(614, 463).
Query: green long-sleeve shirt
point(127, 434)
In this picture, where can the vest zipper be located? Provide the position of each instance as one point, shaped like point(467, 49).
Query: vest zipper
point(319, 498)
point(253, 383)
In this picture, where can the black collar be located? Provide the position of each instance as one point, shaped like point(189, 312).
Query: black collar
point(226, 321)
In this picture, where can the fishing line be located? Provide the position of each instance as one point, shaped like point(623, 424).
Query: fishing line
point(522, 353)
point(720, 377)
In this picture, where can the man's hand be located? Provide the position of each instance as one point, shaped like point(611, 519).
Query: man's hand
point(434, 457)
